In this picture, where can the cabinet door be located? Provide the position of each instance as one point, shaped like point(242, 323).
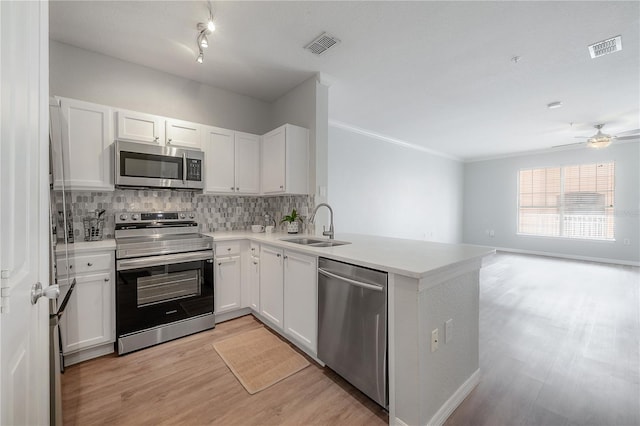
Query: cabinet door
point(254, 283)
point(247, 163)
point(182, 133)
point(273, 161)
point(139, 127)
point(219, 160)
point(227, 284)
point(88, 319)
point(87, 135)
point(271, 285)
point(300, 299)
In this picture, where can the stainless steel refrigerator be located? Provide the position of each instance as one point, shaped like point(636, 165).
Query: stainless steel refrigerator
point(60, 251)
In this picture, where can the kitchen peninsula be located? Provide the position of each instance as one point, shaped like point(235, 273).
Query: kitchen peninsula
point(432, 313)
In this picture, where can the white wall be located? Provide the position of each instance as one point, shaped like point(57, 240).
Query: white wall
point(307, 105)
point(490, 202)
point(379, 188)
point(81, 74)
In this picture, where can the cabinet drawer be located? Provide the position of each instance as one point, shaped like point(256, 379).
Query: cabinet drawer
point(87, 264)
point(228, 248)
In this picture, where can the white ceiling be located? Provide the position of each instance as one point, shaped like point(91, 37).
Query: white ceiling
point(434, 74)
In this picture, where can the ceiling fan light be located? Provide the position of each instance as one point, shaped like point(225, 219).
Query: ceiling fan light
point(211, 27)
point(599, 141)
point(200, 58)
point(204, 42)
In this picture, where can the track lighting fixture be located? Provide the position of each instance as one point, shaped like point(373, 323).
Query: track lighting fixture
point(203, 31)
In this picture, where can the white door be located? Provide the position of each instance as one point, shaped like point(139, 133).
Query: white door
point(24, 195)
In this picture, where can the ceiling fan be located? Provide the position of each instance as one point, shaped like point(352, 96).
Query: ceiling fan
point(603, 140)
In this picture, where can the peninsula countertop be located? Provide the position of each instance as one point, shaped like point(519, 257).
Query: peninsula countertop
point(412, 258)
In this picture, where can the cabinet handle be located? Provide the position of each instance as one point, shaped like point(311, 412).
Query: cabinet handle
point(89, 264)
point(253, 249)
point(232, 188)
point(237, 189)
point(281, 187)
point(106, 279)
point(156, 138)
point(70, 266)
point(169, 140)
point(255, 263)
point(229, 249)
point(286, 257)
point(278, 254)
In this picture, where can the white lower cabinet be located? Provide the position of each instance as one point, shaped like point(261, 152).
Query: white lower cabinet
point(89, 318)
point(300, 299)
point(227, 281)
point(272, 285)
point(228, 276)
point(253, 277)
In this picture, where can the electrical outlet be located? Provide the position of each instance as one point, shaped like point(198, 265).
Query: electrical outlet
point(627, 242)
point(434, 340)
point(448, 330)
point(492, 233)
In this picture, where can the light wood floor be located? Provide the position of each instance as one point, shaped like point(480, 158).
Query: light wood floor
point(559, 345)
point(185, 382)
point(559, 342)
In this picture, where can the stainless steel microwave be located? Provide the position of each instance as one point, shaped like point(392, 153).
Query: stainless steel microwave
point(150, 166)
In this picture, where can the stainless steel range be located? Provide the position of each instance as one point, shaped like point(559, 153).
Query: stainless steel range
point(164, 286)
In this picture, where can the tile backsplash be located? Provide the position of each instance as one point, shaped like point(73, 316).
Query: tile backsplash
point(213, 212)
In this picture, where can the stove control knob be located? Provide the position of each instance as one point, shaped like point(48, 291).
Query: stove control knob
point(123, 216)
point(191, 215)
point(135, 216)
point(183, 216)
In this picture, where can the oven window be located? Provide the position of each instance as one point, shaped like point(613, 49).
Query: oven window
point(150, 165)
point(169, 286)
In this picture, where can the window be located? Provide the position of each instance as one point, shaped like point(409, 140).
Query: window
point(571, 201)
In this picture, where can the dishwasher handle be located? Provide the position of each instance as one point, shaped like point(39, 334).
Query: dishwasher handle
point(350, 281)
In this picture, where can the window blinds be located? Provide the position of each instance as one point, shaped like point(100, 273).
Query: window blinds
point(571, 201)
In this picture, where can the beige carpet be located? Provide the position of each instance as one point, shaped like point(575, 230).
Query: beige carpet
point(259, 359)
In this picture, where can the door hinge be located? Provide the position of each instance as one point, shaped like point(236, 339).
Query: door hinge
point(4, 291)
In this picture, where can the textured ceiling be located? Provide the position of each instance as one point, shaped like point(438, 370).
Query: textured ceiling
point(434, 74)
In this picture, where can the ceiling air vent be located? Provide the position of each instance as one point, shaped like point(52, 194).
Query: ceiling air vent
point(322, 43)
point(605, 47)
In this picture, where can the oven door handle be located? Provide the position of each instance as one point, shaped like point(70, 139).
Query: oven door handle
point(144, 262)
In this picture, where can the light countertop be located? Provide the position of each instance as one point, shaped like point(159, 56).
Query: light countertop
point(412, 258)
point(88, 246)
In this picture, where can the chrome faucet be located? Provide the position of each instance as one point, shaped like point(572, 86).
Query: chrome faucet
point(328, 233)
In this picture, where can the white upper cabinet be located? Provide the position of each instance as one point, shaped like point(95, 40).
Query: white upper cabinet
point(153, 129)
point(85, 141)
point(219, 157)
point(285, 161)
point(139, 127)
point(182, 133)
point(232, 161)
point(247, 162)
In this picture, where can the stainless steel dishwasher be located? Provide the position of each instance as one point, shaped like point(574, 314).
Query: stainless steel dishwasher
point(352, 325)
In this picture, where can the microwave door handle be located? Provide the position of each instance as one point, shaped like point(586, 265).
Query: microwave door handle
point(184, 168)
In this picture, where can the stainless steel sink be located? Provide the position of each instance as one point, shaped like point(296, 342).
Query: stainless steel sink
point(314, 242)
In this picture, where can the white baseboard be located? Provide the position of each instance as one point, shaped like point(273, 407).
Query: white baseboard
point(226, 316)
point(570, 256)
point(87, 354)
point(455, 400)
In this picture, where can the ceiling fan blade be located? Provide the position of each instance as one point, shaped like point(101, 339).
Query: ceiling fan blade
point(634, 132)
point(568, 144)
point(627, 138)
